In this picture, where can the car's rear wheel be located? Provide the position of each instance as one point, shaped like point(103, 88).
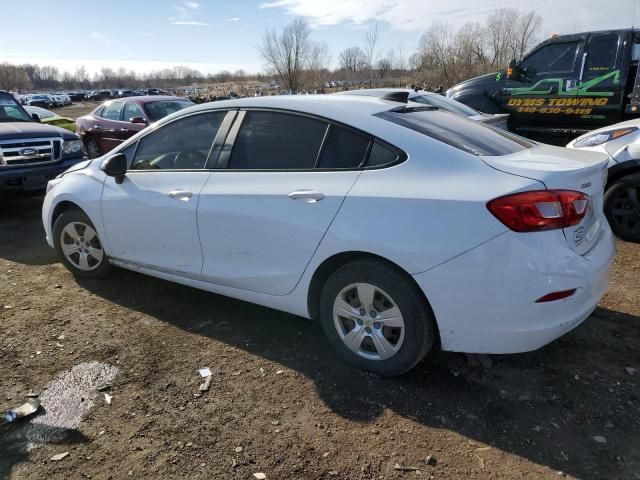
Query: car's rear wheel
point(93, 150)
point(622, 207)
point(376, 318)
point(78, 245)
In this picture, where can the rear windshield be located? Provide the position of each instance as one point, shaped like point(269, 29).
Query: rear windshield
point(466, 135)
point(163, 108)
point(446, 104)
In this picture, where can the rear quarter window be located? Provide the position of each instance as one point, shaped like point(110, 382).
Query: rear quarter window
point(456, 131)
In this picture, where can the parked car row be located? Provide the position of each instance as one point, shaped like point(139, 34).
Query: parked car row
point(46, 100)
point(54, 100)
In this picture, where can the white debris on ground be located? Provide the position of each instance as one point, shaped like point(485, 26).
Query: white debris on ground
point(66, 401)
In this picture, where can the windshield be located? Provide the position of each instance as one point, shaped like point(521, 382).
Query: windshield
point(162, 108)
point(10, 111)
point(444, 103)
point(466, 135)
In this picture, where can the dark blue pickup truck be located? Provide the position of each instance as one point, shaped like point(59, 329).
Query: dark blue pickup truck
point(32, 153)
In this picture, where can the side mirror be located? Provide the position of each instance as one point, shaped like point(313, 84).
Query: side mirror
point(36, 117)
point(529, 72)
point(139, 120)
point(512, 70)
point(115, 166)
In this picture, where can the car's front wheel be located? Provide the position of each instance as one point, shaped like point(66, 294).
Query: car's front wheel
point(622, 207)
point(93, 150)
point(78, 245)
point(376, 318)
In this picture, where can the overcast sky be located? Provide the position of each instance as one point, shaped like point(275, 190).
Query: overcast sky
point(214, 35)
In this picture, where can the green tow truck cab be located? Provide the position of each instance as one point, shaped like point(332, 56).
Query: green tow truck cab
point(565, 87)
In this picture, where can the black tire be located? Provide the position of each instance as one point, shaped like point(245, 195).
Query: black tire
point(98, 269)
point(420, 326)
point(93, 150)
point(624, 196)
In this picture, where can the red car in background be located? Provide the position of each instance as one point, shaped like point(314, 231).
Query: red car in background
point(117, 120)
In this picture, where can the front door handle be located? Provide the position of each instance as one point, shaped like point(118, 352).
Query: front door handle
point(309, 196)
point(181, 195)
point(124, 129)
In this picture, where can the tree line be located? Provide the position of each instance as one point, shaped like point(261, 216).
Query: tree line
point(28, 77)
point(441, 57)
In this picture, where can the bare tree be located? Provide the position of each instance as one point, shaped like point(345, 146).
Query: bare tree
point(352, 59)
point(511, 34)
point(286, 52)
point(318, 65)
point(384, 67)
point(12, 77)
point(370, 42)
point(528, 29)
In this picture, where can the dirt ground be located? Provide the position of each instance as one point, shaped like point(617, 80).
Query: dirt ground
point(281, 403)
point(76, 110)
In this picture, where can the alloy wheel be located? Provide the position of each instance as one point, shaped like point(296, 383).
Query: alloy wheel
point(81, 246)
point(92, 149)
point(368, 321)
point(625, 210)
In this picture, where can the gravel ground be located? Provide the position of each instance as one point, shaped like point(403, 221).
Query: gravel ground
point(280, 402)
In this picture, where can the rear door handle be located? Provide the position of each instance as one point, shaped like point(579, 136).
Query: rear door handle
point(181, 195)
point(97, 127)
point(309, 196)
point(124, 129)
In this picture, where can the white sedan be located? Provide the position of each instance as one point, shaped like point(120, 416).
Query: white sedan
point(399, 226)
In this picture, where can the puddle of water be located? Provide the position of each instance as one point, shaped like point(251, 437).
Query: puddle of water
point(66, 401)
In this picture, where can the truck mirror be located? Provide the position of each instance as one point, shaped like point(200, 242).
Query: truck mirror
point(530, 72)
point(35, 117)
point(512, 70)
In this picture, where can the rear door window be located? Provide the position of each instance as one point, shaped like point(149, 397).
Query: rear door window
point(132, 110)
point(381, 155)
point(459, 132)
point(343, 149)
point(277, 141)
point(112, 111)
point(601, 55)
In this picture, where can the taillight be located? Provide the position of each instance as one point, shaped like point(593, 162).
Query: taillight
point(540, 209)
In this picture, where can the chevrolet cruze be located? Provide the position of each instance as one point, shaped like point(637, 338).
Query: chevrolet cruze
point(400, 226)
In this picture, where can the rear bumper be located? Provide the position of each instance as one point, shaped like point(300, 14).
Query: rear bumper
point(484, 300)
point(31, 180)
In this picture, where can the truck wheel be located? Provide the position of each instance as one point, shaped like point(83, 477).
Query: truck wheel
point(93, 151)
point(77, 243)
point(375, 318)
point(622, 207)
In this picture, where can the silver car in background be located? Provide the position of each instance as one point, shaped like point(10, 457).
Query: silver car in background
point(621, 142)
point(436, 100)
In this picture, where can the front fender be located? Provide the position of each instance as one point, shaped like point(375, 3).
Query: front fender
point(82, 189)
point(619, 170)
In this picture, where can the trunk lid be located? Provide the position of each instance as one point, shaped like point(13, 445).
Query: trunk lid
point(564, 169)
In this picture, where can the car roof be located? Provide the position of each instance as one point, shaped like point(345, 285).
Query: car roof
point(378, 92)
point(357, 111)
point(142, 99)
point(321, 105)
